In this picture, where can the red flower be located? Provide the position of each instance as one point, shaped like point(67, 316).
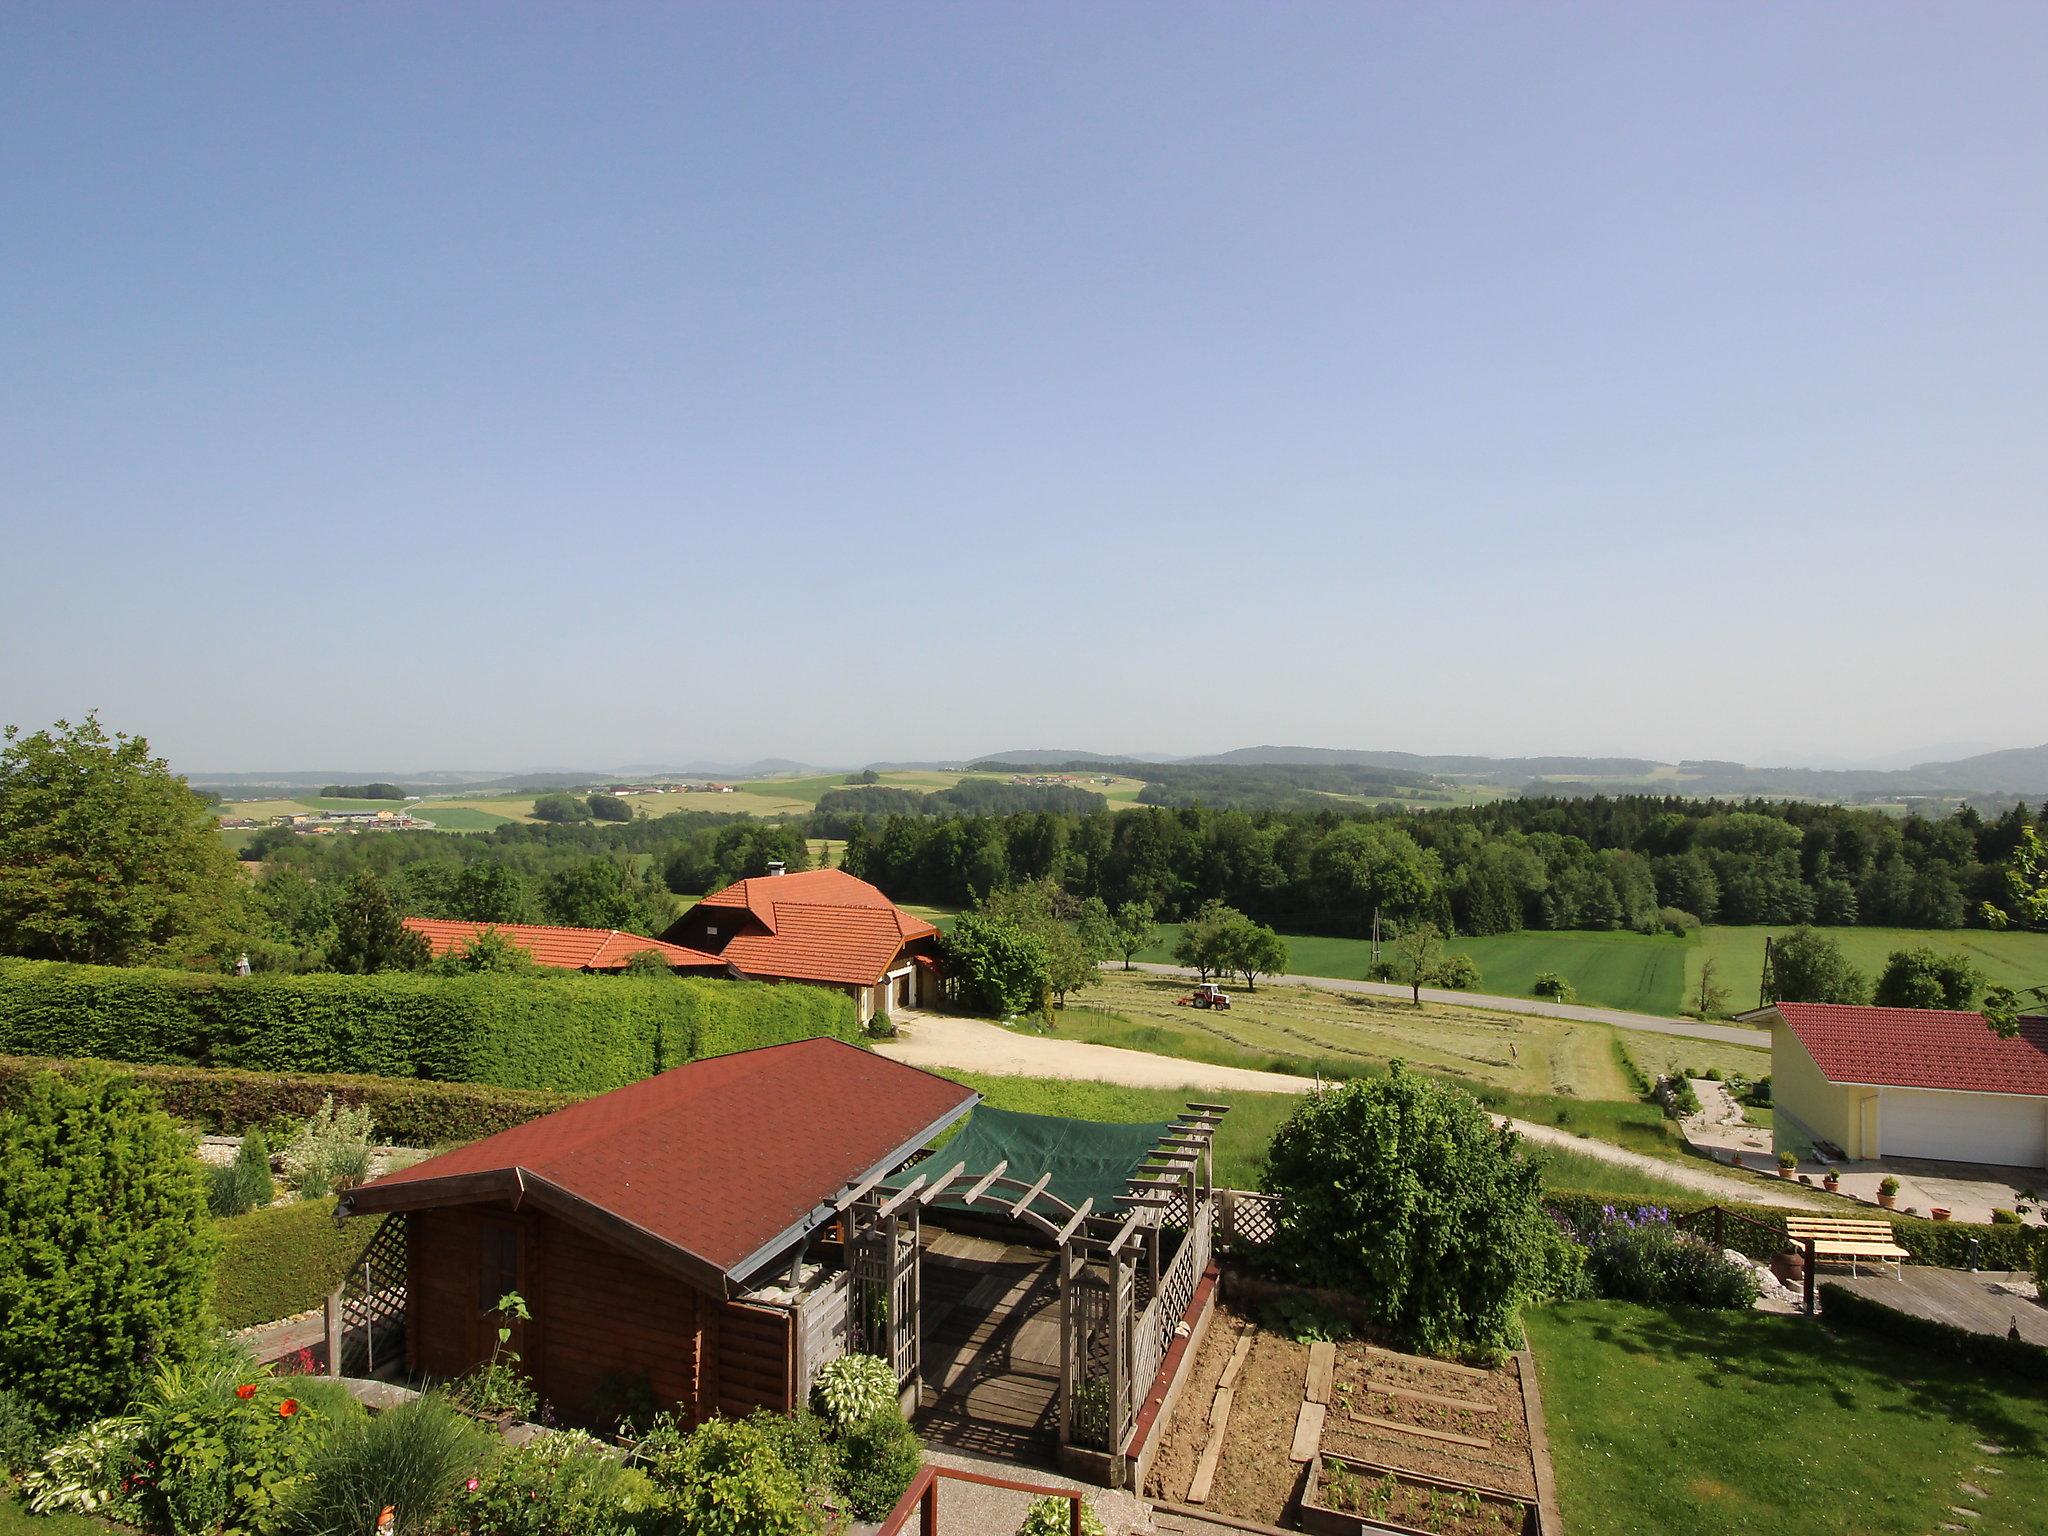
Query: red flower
point(470, 1485)
point(288, 1407)
point(246, 1391)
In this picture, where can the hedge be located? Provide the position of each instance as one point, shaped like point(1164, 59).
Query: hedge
point(1981, 1351)
point(282, 1260)
point(407, 1111)
point(565, 1033)
point(1942, 1243)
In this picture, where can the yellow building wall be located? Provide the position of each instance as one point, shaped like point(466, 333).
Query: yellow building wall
point(1825, 1110)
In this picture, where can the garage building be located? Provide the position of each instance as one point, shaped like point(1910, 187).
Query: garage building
point(1909, 1082)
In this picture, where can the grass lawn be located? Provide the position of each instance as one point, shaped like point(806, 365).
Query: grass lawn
point(451, 817)
point(1744, 1422)
point(15, 1520)
point(1653, 1054)
point(2006, 959)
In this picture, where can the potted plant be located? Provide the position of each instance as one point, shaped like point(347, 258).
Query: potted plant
point(1939, 1213)
point(1888, 1192)
point(1831, 1181)
point(1786, 1164)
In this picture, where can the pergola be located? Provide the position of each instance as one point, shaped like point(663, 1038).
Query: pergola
point(1127, 1272)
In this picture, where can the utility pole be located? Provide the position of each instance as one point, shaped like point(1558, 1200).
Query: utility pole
point(1375, 933)
point(1764, 986)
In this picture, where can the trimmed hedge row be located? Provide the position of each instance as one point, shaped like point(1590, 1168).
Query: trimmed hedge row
point(282, 1260)
point(407, 1111)
point(577, 1034)
point(1982, 1351)
point(1945, 1244)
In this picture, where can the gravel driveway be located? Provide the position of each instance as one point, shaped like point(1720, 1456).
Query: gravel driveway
point(973, 1045)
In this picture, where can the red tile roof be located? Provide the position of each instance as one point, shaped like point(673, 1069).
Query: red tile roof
point(822, 925)
point(1920, 1048)
point(573, 949)
point(721, 1164)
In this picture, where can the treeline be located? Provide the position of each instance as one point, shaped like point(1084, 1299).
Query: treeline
point(970, 797)
point(362, 791)
point(1254, 786)
point(1639, 862)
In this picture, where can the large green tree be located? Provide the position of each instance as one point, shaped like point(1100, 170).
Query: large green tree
point(1807, 966)
point(1401, 1191)
point(1250, 949)
point(370, 933)
point(1923, 977)
point(106, 856)
point(106, 1255)
point(1132, 928)
point(996, 965)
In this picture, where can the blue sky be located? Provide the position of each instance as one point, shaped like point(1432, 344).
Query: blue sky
point(477, 386)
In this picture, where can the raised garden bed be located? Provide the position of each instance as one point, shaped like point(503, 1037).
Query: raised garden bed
point(1347, 1498)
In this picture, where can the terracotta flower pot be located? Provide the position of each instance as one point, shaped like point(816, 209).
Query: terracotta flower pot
point(1939, 1213)
point(1887, 1201)
point(1831, 1182)
point(1786, 1173)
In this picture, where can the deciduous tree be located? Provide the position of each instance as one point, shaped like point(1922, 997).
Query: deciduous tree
point(1133, 928)
point(1923, 977)
point(370, 933)
point(1807, 966)
point(1417, 953)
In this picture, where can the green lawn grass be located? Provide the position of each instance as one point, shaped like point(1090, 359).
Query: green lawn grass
point(1657, 974)
point(15, 1520)
point(460, 818)
point(1744, 1422)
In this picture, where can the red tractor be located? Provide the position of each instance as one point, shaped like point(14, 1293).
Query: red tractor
point(1207, 995)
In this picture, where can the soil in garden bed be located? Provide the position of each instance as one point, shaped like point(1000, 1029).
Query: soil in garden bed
point(1382, 1497)
point(1255, 1480)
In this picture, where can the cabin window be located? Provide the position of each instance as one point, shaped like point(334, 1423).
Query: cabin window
point(497, 1265)
point(711, 930)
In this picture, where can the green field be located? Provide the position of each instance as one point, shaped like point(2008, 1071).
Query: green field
point(1657, 974)
point(1742, 1424)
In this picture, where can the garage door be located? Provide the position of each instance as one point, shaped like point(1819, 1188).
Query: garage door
point(1964, 1127)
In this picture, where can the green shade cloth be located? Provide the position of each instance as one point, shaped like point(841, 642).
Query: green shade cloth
point(1088, 1159)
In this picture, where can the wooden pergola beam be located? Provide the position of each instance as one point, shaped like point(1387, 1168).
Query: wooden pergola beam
point(1079, 1216)
point(980, 1186)
point(1208, 1109)
point(931, 1190)
point(1032, 1193)
point(899, 1197)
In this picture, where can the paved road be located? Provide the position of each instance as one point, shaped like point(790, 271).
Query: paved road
point(1727, 1034)
point(971, 1045)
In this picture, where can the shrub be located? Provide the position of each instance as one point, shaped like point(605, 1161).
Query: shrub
point(1459, 973)
point(1401, 1191)
point(1676, 920)
point(412, 1458)
point(221, 1444)
point(2001, 1217)
point(557, 1484)
point(277, 1262)
point(800, 1440)
point(879, 1457)
point(1550, 984)
point(21, 1441)
point(1678, 1096)
point(854, 1387)
point(243, 1184)
point(569, 1033)
point(406, 1111)
point(1759, 1092)
point(106, 1255)
point(1637, 1255)
point(1055, 1517)
point(724, 1478)
point(1383, 970)
point(498, 1386)
point(86, 1472)
point(331, 1150)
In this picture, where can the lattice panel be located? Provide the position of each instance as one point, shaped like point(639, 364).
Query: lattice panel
point(373, 1304)
point(1251, 1219)
point(1094, 1341)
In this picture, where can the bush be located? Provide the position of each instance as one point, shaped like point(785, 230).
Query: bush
point(1401, 1191)
point(557, 1484)
point(801, 1441)
point(330, 1152)
point(1383, 970)
point(1551, 985)
point(106, 1257)
point(405, 1111)
point(1676, 920)
point(86, 1473)
point(879, 1457)
point(1759, 1092)
point(565, 1033)
point(243, 1184)
point(1637, 1255)
point(21, 1442)
point(854, 1387)
point(412, 1458)
point(1055, 1517)
point(1842, 1307)
point(1459, 973)
point(281, 1261)
point(1678, 1096)
point(725, 1478)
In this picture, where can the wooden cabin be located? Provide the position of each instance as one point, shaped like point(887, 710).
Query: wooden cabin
point(674, 1238)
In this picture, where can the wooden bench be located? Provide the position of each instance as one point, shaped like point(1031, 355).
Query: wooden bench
point(1847, 1241)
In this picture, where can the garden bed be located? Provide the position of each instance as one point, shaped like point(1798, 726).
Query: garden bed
point(1349, 1498)
point(1461, 1431)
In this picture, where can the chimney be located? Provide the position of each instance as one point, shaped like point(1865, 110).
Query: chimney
point(775, 866)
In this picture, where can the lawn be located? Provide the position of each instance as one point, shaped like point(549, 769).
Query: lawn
point(1653, 1054)
point(1745, 1422)
point(15, 1520)
point(452, 817)
point(1657, 974)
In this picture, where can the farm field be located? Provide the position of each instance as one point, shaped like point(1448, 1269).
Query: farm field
point(805, 792)
point(1745, 1423)
point(305, 806)
point(1656, 973)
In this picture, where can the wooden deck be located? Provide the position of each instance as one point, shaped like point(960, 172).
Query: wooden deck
point(1961, 1298)
point(991, 1349)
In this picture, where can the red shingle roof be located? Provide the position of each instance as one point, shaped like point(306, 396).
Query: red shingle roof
point(723, 1162)
point(1920, 1048)
point(822, 925)
point(573, 949)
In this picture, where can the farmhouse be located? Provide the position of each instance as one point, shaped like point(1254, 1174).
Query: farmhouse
point(822, 926)
point(569, 949)
point(1910, 1082)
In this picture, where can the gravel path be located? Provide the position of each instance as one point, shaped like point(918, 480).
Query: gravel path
point(1726, 1034)
point(973, 1045)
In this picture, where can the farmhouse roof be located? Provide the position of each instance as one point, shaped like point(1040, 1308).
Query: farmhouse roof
point(820, 925)
point(573, 949)
point(1919, 1048)
point(711, 1169)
